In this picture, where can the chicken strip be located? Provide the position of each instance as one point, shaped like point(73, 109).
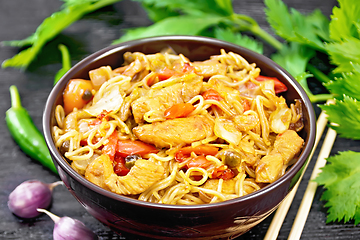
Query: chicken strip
point(288, 144)
point(269, 168)
point(209, 68)
point(141, 176)
point(158, 100)
point(175, 132)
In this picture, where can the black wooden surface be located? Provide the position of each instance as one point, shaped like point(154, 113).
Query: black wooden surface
point(18, 19)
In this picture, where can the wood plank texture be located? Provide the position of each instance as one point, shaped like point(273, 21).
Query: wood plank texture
point(18, 19)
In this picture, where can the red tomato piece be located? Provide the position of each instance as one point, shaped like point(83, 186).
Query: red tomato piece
point(223, 173)
point(179, 110)
point(204, 150)
point(211, 94)
point(111, 146)
point(227, 174)
point(166, 73)
point(199, 161)
point(95, 122)
point(279, 86)
point(129, 147)
point(119, 166)
point(73, 95)
point(246, 105)
point(187, 68)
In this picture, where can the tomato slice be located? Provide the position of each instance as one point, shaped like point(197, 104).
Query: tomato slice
point(204, 150)
point(119, 168)
point(179, 110)
point(187, 68)
point(110, 147)
point(279, 86)
point(211, 94)
point(166, 73)
point(227, 174)
point(77, 94)
point(129, 147)
point(223, 173)
point(199, 161)
point(246, 105)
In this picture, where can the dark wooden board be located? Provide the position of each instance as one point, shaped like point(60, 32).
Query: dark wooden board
point(18, 19)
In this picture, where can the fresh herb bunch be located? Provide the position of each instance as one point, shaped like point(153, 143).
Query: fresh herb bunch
point(72, 11)
point(305, 38)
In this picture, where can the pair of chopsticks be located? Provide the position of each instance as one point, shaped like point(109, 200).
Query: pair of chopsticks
point(310, 191)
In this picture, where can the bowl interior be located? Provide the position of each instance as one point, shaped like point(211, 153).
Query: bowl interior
point(196, 49)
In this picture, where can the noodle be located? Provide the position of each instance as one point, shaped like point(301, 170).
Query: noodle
point(167, 130)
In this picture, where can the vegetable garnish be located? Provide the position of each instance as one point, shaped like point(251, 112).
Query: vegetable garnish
point(72, 11)
point(69, 228)
point(66, 62)
point(25, 133)
point(179, 110)
point(341, 179)
point(279, 86)
point(30, 195)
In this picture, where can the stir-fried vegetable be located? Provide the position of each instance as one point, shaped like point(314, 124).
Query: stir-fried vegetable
point(129, 147)
point(77, 94)
point(279, 86)
point(204, 150)
point(211, 94)
point(179, 110)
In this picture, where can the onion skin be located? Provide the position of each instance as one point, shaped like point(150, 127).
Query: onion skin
point(72, 229)
point(27, 197)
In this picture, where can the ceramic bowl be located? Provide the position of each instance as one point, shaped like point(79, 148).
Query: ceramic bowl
point(227, 219)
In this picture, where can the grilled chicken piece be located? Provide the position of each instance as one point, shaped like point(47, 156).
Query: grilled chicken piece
point(209, 68)
point(99, 170)
point(158, 100)
point(141, 176)
point(269, 168)
point(175, 132)
point(246, 122)
point(288, 144)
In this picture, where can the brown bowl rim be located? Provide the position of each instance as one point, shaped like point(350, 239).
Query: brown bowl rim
point(118, 47)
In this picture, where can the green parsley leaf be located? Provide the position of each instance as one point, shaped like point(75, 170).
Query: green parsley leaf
point(345, 30)
point(193, 7)
point(294, 58)
point(345, 20)
point(239, 39)
point(311, 30)
point(344, 53)
point(48, 29)
point(172, 26)
point(158, 13)
point(344, 115)
point(348, 84)
point(341, 179)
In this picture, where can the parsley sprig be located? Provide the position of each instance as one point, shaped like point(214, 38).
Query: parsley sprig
point(72, 11)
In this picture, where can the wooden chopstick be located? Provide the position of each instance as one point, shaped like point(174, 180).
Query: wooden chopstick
point(310, 191)
point(281, 212)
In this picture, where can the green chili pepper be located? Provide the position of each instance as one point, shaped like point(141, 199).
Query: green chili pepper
point(25, 133)
point(66, 62)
